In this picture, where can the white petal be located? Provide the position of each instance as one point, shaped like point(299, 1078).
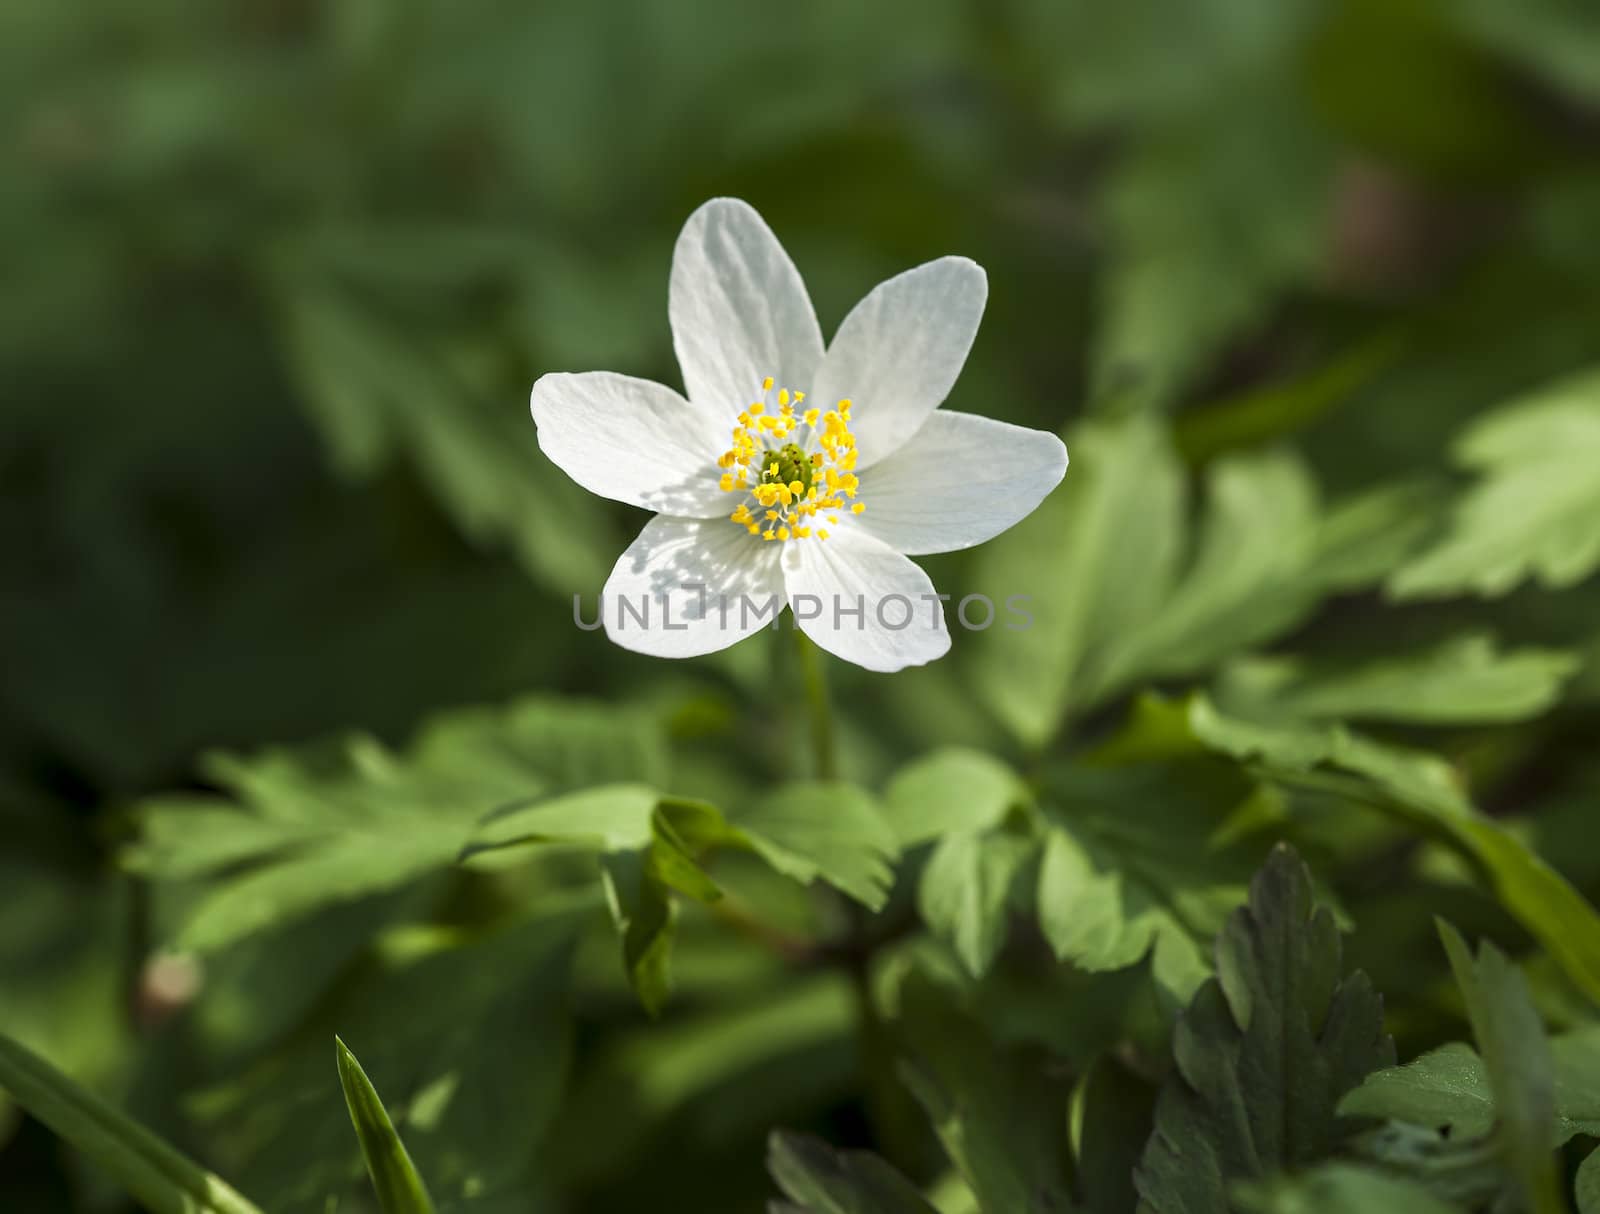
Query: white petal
point(691, 586)
point(632, 440)
point(897, 354)
point(961, 480)
point(739, 310)
point(900, 621)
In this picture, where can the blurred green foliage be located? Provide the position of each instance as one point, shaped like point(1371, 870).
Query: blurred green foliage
point(297, 737)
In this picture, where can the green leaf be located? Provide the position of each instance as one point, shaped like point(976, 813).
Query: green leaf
point(1465, 681)
point(1535, 511)
point(1416, 786)
point(1339, 1188)
point(949, 790)
point(829, 831)
point(1133, 866)
point(1273, 412)
point(647, 917)
point(320, 826)
point(1559, 41)
point(1516, 1057)
point(467, 1032)
point(1114, 531)
point(1449, 1088)
point(1117, 603)
point(760, 1047)
point(611, 817)
point(1181, 283)
point(161, 1178)
point(400, 1190)
point(648, 845)
point(1257, 535)
point(969, 888)
point(1587, 1186)
point(376, 389)
point(1444, 1088)
point(1116, 1109)
point(820, 1180)
point(1001, 1115)
point(1264, 1053)
point(1265, 553)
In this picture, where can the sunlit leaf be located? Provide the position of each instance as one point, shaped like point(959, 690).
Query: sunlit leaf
point(1464, 681)
point(949, 790)
point(834, 832)
point(969, 889)
point(324, 826)
point(1534, 511)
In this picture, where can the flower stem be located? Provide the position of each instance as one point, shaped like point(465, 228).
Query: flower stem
point(895, 1121)
point(819, 706)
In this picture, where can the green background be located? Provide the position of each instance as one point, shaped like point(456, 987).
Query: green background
point(277, 276)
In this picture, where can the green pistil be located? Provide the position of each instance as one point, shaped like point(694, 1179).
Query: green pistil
point(793, 465)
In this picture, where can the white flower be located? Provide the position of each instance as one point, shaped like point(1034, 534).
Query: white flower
point(793, 474)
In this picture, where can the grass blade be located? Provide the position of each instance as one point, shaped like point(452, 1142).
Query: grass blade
point(400, 1190)
point(159, 1176)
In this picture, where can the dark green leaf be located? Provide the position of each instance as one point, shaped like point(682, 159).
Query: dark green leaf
point(1264, 1053)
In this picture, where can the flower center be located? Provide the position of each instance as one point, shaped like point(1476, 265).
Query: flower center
point(795, 469)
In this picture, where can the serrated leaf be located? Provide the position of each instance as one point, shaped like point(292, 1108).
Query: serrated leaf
point(1535, 510)
point(324, 825)
point(829, 831)
point(1132, 867)
point(1264, 1053)
point(821, 1180)
point(159, 1176)
point(1463, 681)
point(1516, 1058)
point(1340, 1188)
point(394, 1177)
